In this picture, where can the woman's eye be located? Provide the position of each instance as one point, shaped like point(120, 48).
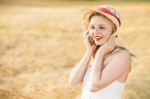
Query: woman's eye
point(92, 27)
point(102, 27)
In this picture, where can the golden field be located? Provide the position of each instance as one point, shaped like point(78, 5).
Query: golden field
point(40, 44)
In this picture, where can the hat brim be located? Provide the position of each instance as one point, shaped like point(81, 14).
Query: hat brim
point(110, 17)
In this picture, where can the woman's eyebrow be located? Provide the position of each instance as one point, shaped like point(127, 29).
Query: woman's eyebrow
point(97, 25)
point(101, 24)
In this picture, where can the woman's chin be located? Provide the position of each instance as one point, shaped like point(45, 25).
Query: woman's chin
point(98, 43)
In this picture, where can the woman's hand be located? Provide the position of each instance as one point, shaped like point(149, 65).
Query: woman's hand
point(89, 42)
point(108, 46)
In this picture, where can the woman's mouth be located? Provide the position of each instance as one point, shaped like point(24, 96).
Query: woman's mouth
point(97, 38)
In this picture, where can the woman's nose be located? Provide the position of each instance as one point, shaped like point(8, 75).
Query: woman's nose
point(96, 31)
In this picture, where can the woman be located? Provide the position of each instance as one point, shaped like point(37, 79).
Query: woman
point(105, 66)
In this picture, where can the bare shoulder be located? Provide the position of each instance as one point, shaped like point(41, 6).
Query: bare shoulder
point(117, 55)
point(122, 53)
point(122, 57)
point(119, 58)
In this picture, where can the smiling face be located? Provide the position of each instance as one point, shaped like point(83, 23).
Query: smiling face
point(100, 28)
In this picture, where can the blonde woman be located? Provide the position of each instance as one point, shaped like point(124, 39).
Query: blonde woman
point(104, 68)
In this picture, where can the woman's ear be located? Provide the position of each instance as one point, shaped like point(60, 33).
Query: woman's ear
point(114, 28)
point(114, 35)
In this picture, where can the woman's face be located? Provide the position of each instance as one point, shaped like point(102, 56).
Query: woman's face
point(100, 29)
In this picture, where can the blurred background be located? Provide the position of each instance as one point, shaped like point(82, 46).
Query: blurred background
point(41, 40)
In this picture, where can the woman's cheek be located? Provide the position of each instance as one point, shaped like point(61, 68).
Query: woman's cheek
point(106, 37)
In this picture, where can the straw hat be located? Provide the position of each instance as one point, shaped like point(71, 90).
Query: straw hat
point(111, 14)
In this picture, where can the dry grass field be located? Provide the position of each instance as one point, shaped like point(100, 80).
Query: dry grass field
point(40, 44)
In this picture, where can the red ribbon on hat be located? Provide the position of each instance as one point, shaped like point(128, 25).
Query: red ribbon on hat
point(105, 10)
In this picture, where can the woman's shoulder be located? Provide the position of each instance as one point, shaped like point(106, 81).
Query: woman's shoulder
point(117, 52)
point(120, 50)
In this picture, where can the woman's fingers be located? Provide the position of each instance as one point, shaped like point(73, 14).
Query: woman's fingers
point(86, 34)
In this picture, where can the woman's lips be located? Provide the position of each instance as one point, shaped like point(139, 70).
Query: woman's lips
point(97, 38)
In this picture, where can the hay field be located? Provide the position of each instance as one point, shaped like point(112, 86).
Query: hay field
point(40, 44)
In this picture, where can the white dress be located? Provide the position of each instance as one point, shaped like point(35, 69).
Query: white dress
point(112, 91)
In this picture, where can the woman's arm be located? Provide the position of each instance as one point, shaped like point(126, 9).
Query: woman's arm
point(120, 64)
point(77, 73)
